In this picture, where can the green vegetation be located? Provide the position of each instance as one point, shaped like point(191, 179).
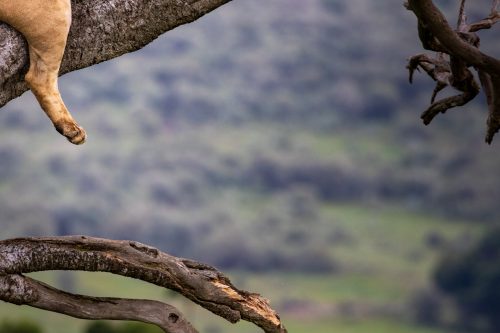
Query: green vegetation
point(105, 327)
point(471, 278)
point(25, 326)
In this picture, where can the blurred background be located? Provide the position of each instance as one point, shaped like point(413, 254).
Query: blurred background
point(281, 142)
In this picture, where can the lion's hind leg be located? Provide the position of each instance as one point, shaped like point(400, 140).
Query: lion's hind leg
point(42, 80)
point(45, 25)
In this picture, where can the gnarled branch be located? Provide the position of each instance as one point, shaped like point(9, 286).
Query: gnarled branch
point(462, 49)
point(20, 290)
point(200, 283)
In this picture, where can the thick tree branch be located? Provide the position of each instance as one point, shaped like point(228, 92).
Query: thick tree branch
point(201, 283)
point(101, 30)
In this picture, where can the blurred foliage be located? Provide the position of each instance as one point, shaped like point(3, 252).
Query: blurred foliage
point(129, 327)
point(20, 326)
point(471, 278)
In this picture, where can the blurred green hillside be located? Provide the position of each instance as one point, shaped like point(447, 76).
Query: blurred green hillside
point(276, 137)
point(304, 101)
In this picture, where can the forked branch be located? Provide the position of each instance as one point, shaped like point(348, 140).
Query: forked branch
point(200, 283)
point(458, 56)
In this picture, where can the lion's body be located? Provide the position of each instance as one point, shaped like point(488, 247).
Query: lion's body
point(45, 25)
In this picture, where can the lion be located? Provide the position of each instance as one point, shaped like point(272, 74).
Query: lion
point(45, 25)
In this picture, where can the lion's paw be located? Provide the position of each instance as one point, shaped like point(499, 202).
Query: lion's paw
point(74, 133)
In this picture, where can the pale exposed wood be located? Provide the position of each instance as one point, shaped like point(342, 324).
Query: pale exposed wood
point(200, 283)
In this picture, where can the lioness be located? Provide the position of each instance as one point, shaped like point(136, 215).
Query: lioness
point(45, 25)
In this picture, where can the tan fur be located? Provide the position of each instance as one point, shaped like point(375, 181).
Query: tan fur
point(45, 25)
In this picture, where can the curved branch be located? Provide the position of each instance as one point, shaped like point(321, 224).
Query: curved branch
point(200, 283)
point(462, 47)
point(101, 30)
point(42, 296)
point(435, 21)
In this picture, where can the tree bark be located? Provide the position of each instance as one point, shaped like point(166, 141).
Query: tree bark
point(461, 45)
point(200, 283)
point(435, 21)
point(101, 30)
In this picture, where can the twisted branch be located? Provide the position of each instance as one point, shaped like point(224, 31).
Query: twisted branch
point(461, 47)
point(200, 283)
point(21, 290)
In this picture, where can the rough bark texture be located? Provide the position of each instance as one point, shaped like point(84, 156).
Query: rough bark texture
point(457, 54)
point(21, 290)
point(101, 30)
point(200, 283)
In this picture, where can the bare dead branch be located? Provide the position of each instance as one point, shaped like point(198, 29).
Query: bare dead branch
point(42, 296)
point(432, 18)
point(462, 18)
point(485, 23)
point(200, 283)
point(446, 73)
point(462, 48)
point(437, 68)
point(489, 21)
point(444, 105)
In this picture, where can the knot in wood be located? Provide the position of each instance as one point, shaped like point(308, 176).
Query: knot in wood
point(15, 289)
point(148, 250)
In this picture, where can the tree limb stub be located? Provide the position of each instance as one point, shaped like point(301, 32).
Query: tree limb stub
point(200, 283)
point(101, 30)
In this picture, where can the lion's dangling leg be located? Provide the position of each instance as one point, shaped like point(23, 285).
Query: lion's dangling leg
point(42, 79)
point(45, 25)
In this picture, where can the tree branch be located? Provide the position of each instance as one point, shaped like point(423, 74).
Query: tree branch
point(200, 283)
point(22, 290)
point(462, 48)
point(434, 20)
point(101, 30)
point(489, 21)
